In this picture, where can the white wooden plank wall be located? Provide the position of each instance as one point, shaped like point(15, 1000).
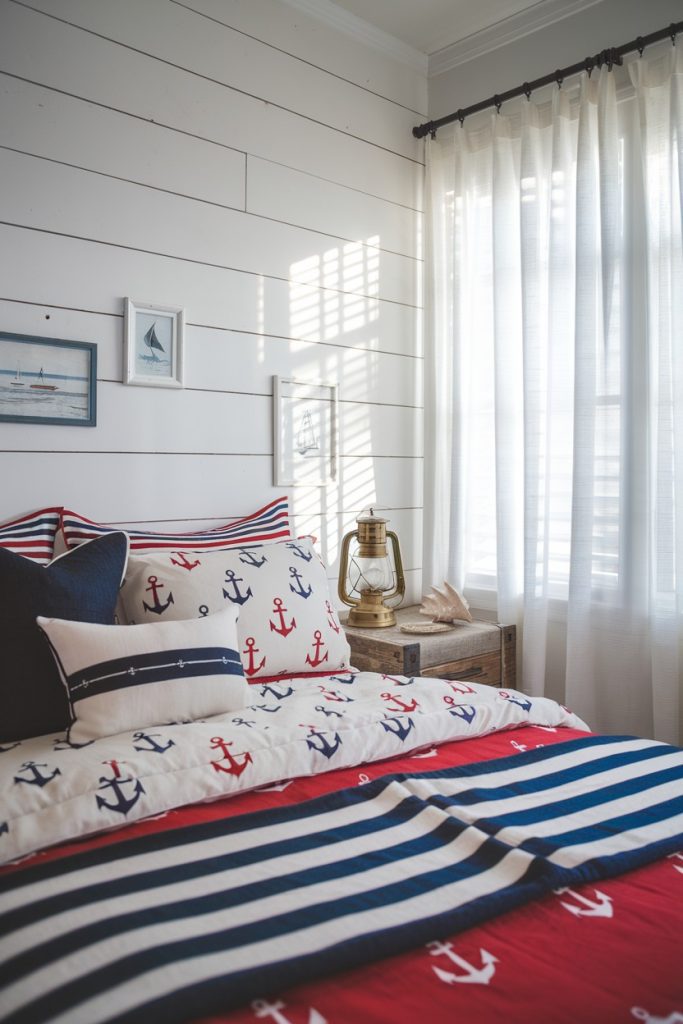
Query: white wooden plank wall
point(255, 166)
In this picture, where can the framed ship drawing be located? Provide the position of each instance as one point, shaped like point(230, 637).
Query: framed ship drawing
point(155, 338)
point(305, 432)
point(46, 380)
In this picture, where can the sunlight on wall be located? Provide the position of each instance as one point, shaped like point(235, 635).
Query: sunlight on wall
point(334, 299)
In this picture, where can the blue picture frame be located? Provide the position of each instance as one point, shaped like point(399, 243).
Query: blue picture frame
point(47, 380)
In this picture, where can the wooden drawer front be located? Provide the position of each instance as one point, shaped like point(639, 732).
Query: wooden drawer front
point(484, 668)
point(370, 655)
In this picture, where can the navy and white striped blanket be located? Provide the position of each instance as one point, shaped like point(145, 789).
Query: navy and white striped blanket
point(200, 919)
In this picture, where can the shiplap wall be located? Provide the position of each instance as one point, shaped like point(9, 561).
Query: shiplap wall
point(255, 166)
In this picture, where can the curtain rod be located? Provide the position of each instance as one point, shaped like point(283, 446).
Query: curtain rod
point(608, 57)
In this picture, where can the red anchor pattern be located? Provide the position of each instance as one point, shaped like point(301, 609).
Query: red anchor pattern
point(251, 668)
point(332, 620)
point(279, 610)
point(318, 643)
point(234, 766)
point(402, 705)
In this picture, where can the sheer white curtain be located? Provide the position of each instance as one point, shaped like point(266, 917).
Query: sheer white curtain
point(554, 387)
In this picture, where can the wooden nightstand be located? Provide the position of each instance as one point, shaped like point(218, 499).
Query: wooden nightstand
point(481, 651)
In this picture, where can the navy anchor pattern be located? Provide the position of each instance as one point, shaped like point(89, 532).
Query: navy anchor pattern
point(294, 725)
point(287, 622)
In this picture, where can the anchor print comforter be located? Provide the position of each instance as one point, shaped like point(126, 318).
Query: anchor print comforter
point(570, 955)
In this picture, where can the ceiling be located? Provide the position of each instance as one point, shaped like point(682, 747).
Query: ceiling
point(432, 25)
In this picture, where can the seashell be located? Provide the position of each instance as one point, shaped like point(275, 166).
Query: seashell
point(445, 605)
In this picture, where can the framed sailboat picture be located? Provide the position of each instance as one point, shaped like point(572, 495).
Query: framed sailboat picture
point(46, 380)
point(154, 345)
point(305, 432)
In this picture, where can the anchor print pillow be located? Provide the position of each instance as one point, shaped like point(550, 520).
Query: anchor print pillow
point(82, 585)
point(268, 524)
point(32, 536)
point(287, 624)
point(130, 677)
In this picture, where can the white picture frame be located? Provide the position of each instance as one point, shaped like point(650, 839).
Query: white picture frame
point(154, 345)
point(305, 432)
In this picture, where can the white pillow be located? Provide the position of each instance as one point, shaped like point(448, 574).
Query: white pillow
point(119, 678)
point(287, 624)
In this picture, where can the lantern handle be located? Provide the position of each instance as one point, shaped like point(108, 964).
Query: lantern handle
point(343, 566)
point(400, 589)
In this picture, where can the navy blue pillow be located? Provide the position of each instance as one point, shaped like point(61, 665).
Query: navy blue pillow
point(83, 586)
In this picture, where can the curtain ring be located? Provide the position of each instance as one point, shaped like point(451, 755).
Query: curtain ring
point(461, 117)
point(558, 78)
point(640, 44)
point(527, 90)
point(432, 133)
point(498, 103)
point(589, 64)
point(672, 33)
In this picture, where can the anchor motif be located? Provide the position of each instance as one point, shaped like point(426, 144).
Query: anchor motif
point(243, 721)
point(249, 558)
point(262, 1008)
point(232, 580)
point(524, 704)
point(333, 695)
point(601, 908)
point(251, 650)
point(3, 750)
point(677, 867)
point(234, 767)
point(650, 1018)
point(158, 748)
point(473, 975)
point(323, 746)
point(279, 692)
point(460, 687)
point(298, 589)
point(465, 711)
point(332, 620)
point(4, 827)
point(155, 586)
point(266, 707)
point(183, 563)
point(518, 746)
point(397, 681)
point(318, 642)
point(328, 711)
point(38, 778)
point(402, 706)
point(396, 725)
point(279, 609)
point(347, 680)
point(203, 610)
point(116, 783)
point(300, 553)
point(64, 743)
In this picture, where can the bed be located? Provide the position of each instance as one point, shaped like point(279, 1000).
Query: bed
point(328, 845)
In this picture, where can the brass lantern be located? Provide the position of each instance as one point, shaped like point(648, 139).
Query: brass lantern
point(366, 576)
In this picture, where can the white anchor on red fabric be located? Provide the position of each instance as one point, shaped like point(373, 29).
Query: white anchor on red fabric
point(677, 867)
point(473, 975)
point(650, 1018)
point(262, 1009)
point(601, 907)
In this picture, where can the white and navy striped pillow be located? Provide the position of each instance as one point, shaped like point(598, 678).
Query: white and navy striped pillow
point(120, 678)
point(32, 536)
point(267, 524)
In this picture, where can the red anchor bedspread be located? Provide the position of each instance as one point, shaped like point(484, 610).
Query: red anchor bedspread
point(598, 953)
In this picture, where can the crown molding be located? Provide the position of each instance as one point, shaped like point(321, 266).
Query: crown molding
point(541, 14)
point(361, 30)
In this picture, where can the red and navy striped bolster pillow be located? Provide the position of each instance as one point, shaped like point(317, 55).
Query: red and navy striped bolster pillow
point(269, 523)
point(32, 535)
